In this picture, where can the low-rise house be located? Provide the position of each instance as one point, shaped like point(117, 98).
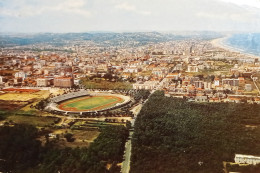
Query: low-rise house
point(20, 74)
point(215, 100)
point(2, 79)
point(248, 87)
point(231, 82)
point(201, 98)
point(149, 85)
point(193, 68)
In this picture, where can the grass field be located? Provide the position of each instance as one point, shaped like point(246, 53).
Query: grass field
point(90, 103)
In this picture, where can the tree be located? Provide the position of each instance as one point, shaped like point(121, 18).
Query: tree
point(141, 94)
point(69, 137)
point(19, 148)
point(128, 125)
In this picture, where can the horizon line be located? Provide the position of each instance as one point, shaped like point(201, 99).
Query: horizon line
point(125, 31)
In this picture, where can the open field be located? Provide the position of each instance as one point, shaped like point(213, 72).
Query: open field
point(22, 90)
point(82, 137)
point(90, 103)
point(21, 99)
point(104, 84)
point(11, 105)
point(24, 96)
point(17, 97)
point(32, 120)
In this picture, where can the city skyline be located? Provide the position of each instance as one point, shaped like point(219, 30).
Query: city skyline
point(114, 15)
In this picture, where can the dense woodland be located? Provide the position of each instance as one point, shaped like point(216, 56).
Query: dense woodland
point(173, 135)
point(141, 94)
point(20, 151)
point(19, 148)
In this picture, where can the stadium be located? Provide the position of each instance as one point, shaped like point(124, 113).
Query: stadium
point(84, 102)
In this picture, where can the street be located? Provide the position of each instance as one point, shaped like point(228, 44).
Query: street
point(128, 145)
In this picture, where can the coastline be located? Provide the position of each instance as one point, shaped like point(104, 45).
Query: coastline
point(220, 43)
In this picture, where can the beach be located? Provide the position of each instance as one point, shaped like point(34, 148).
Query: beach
point(220, 42)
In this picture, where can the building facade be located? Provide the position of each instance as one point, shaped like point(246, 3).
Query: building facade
point(231, 82)
point(64, 82)
point(148, 85)
point(42, 82)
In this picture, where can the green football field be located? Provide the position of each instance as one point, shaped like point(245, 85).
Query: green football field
point(90, 103)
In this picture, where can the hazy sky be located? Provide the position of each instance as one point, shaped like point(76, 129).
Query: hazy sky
point(128, 15)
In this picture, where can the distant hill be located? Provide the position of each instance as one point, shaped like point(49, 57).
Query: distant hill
point(103, 38)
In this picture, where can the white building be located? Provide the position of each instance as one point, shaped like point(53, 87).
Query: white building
point(216, 82)
point(148, 85)
point(2, 79)
point(247, 159)
point(248, 87)
point(20, 74)
point(42, 82)
point(131, 70)
point(193, 68)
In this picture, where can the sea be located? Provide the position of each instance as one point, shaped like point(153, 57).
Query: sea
point(247, 43)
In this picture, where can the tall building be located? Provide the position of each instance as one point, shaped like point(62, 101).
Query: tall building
point(65, 82)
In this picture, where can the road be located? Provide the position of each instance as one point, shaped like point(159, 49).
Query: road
point(128, 145)
point(255, 84)
point(127, 156)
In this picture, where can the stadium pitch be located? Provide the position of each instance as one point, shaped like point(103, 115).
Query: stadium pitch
point(90, 103)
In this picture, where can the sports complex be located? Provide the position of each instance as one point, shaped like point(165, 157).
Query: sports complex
point(82, 102)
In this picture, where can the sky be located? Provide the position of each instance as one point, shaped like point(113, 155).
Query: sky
point(59, 16)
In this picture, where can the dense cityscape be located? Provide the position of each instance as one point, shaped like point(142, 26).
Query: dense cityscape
point(193, 68)
point(79, 90)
